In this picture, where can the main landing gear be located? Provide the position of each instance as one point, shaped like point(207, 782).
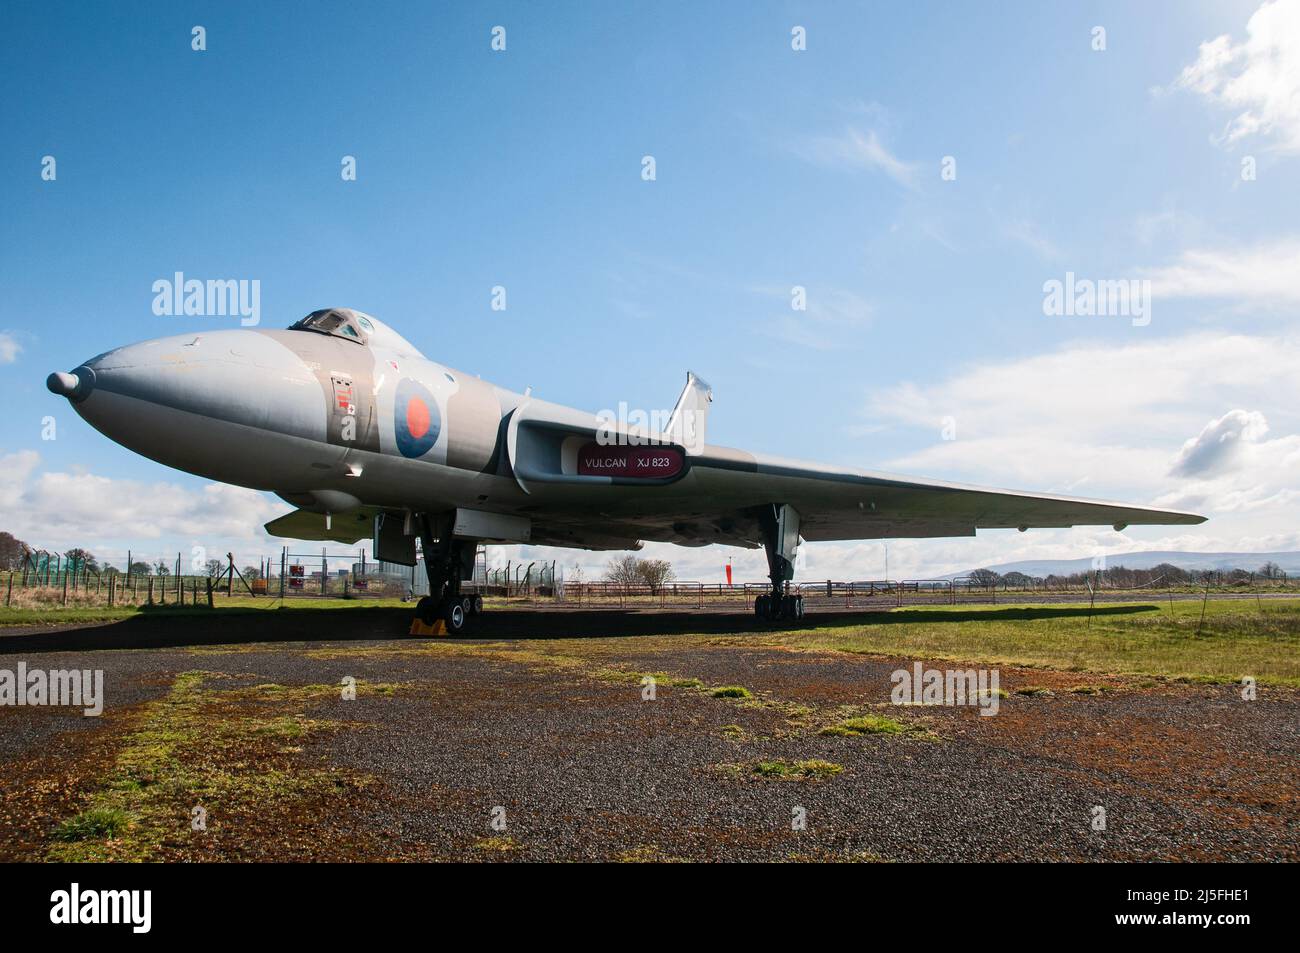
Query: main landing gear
point(780, 528)
point(446, 562)
point(786, 605)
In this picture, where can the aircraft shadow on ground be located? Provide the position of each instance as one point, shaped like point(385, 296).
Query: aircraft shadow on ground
point(363, 624)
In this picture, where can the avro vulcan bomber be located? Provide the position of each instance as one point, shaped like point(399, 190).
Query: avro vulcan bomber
point(366, 437)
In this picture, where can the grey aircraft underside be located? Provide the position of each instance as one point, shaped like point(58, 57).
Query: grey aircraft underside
point(367, 438)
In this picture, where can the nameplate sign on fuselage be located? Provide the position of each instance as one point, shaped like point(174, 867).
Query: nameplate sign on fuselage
point(654, 463)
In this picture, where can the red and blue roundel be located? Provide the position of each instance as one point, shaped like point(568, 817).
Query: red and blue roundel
point(415, 419)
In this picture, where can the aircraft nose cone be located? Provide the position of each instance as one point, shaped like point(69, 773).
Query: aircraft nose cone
point(62, 383)
point(74, 386)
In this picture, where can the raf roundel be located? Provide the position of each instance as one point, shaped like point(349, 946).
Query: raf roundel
point(415, 419)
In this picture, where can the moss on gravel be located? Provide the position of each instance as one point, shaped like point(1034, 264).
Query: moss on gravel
point(812, 769)
point(226, 749)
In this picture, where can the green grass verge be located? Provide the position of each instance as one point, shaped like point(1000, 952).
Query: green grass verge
point(235, 605)
point(1238, 638)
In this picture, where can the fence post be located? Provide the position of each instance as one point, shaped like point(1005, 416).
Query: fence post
point(10, 594)
point(151, 590)
point(209, 581)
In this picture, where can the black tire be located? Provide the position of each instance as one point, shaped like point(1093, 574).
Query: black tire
point(454, 617)
point(798, 607)
point(467, 603)
point(426, 610)
point(478, 604)
point(760, 607)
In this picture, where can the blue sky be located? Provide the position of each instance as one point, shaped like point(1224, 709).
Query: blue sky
point(774, 168)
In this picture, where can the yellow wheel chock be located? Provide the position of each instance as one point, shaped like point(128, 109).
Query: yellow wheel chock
point(438, 627)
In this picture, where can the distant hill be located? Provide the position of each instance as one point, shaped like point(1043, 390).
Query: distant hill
point(1290, 562)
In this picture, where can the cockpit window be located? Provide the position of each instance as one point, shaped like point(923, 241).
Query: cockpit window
point(336, 321)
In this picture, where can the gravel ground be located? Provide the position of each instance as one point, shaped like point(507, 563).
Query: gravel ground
point(556, 733)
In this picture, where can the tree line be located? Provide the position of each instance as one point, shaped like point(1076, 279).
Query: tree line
point(1164, 574)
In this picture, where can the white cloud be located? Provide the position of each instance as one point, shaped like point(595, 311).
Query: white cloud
point(1264, 274)
point(1222, 445)
point(1126, 423)
point(56, 510)
point(866, 151)
point(9, 347)
point(1092, 393)
point(1258, 78)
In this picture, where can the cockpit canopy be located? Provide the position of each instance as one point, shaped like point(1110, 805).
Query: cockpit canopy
point(356, 327)
point(340, 322)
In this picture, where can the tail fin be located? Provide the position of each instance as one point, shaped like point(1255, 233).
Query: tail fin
point(691, 415)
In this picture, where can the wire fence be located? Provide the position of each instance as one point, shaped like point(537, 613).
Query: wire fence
point(47, 578)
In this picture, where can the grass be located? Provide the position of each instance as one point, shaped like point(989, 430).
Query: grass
point(810, 770)
point(731, 691)
point(870, 725)
point(1238, 638)
point(52, 614)
point(229, 748)
point(95, 823)
point(660, 678)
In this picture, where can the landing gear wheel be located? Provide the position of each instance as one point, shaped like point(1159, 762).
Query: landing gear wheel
point(454, 617)
point(426, 610)
point(760, 606)
point(798, 607)
point(467, 603)
point(478, 605)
